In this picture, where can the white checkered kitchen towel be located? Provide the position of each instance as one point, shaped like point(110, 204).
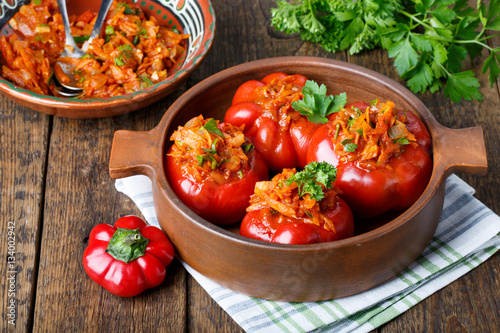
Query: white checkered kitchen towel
point(467, 235)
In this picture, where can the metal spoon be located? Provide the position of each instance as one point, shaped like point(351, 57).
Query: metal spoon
point(64, 74)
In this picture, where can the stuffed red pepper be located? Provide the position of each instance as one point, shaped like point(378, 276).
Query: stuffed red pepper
point(382, 155)
point(268, 111)
point(213, 169)
point(298, 208)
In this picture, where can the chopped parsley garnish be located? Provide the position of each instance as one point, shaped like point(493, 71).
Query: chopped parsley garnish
point(81, 39)
point(142, 31)
point(146, 80)
point(211, 126)
point(119, 61)
point(124, 47)
point(248, 147)
point(316, 105)
point(213, 149)
point(209, 156)
point(313, 178)
point(128, 10)
point(125, 54)
point(402, 141)
point(109, 30)
point(349, 146)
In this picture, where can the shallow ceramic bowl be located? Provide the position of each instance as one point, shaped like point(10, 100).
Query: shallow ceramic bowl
point(194, 17)
point(297, 272)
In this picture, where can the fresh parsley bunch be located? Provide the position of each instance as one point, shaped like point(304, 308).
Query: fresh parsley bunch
point(428, 39)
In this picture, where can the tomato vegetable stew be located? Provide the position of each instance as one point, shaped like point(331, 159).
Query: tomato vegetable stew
point(356, 161)
point(134, 52)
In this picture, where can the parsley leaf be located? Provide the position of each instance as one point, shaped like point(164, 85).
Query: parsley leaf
point(128, 10)
point(462, 84)
point(316, 105)
point(211, 126)
point(349, 146)
point(490, 65)
point(313, 178)
point(209, 156)
point(109, 30)
point(422, 77)
point(81, 39)
point(405, 56)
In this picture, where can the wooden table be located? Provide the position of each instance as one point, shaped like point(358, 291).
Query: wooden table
point(55, 187)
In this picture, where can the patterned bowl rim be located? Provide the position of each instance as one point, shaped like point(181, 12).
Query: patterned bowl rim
point(198, 43)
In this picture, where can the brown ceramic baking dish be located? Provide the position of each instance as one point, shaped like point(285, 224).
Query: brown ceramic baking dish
point(297, 272)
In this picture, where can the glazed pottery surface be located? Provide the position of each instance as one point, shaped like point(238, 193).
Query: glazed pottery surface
point(193, 17)
point(297, 272)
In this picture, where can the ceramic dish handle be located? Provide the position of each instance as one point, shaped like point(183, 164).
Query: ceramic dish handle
point(134, 153)
point(461, 150)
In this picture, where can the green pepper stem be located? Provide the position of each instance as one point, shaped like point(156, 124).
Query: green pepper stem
point(127, 245)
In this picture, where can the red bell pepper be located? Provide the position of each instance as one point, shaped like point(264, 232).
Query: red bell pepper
point(129, 257)
point(298, 208)
point(280, 134)
point(382, 154)
point(213, 169)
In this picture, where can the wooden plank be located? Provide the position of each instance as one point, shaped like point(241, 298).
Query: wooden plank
point(205, 315)
point(79, 195)
point(23, 148)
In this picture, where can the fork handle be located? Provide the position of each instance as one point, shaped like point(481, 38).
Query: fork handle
point(101, 16)
point(67, 29)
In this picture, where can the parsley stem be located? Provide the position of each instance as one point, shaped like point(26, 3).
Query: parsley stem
point(413, 17)
point(474, 42)
point(488, 37)
point(442, 67)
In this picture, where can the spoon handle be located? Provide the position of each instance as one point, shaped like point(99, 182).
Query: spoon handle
point(101, 16)
point(67, 29)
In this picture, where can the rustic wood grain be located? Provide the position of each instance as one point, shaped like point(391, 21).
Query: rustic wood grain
point(78, 165)
point(204, 314)
point(23, 149)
